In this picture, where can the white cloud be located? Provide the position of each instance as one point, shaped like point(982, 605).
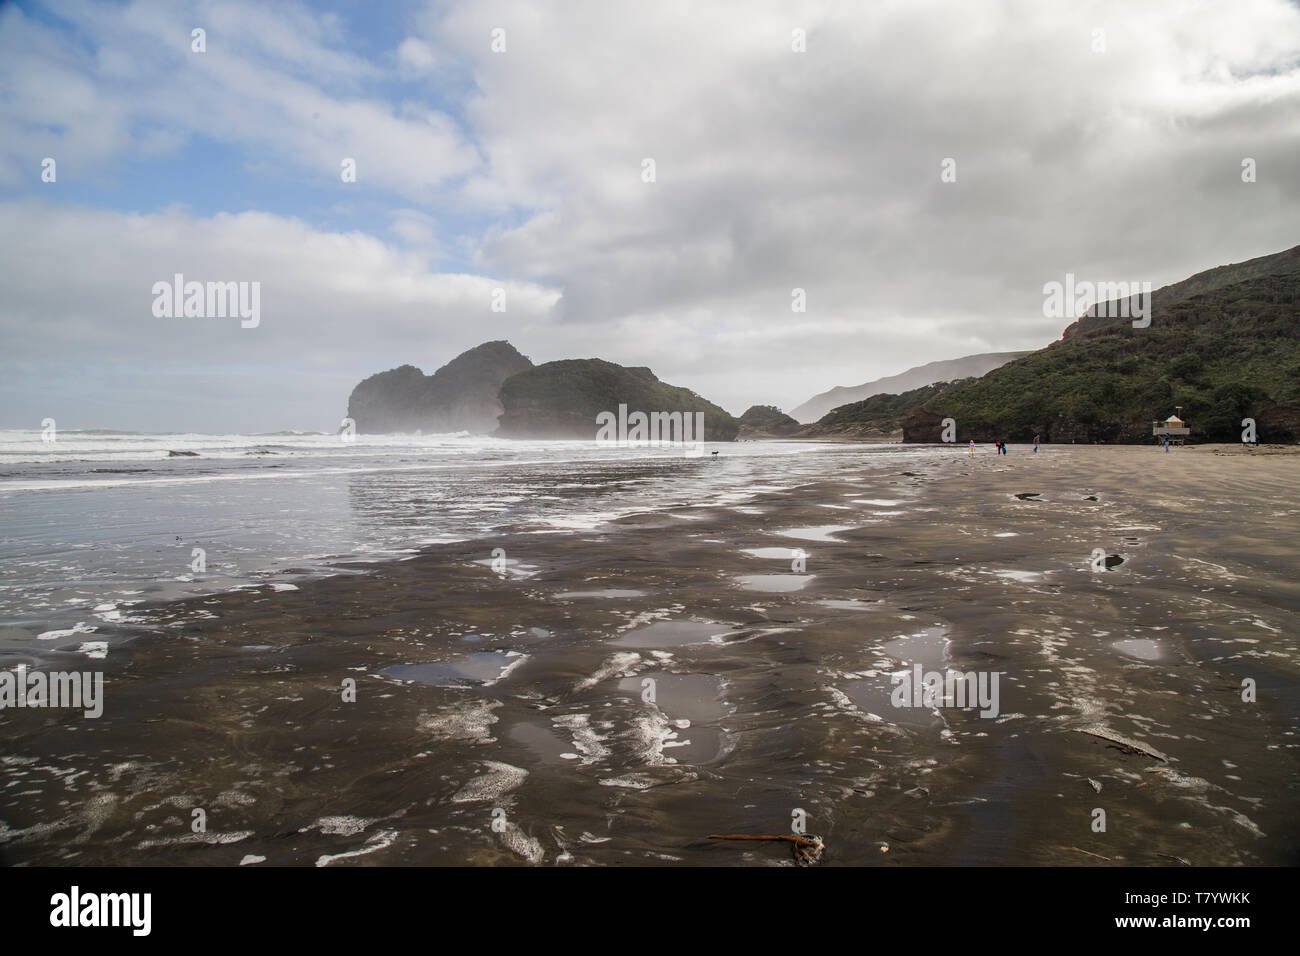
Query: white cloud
point(335, 307)
point(821, 170)
point(416, 56)
point(775, 170)
point(268, 83)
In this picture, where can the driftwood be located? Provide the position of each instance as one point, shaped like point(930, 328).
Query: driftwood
point(1127, 744)
point(806, 849)
point(1087, 853)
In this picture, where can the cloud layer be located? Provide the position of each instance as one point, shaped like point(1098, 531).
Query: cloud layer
point(1102, 139)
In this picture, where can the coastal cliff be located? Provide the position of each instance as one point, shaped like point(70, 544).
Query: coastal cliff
point(563, 399)
point(463, 395)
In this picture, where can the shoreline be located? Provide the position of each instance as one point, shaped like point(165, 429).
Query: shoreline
point(235, 706)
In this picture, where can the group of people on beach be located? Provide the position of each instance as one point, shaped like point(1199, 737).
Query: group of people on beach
point(1000, 446)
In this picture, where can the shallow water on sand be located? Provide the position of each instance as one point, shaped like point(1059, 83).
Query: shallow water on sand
point(693, 704)
point(671, 634)
point(927, 647)
point(483, 667)
point(637, 725)
point(101, 519)
point(782, 554)
point(824, 532)
point(774, 583)
point(875, 696)
point(1141, 648)
point(606, 593)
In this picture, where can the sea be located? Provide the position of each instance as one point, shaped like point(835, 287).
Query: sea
point(98, 521)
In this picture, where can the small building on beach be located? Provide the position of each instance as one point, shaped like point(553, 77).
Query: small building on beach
point(1173, 426)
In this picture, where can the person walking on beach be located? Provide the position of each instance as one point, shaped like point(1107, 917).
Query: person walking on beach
point(1166, 444)
point(1035, 444)
point(972, 447)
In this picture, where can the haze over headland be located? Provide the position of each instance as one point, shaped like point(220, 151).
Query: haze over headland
point(522, 170)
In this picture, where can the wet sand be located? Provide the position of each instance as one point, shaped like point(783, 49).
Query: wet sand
point(620, 694)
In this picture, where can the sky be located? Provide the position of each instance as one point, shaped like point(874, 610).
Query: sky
point(500, 151)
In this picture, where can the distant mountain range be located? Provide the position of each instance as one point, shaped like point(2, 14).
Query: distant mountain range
point(945, 371)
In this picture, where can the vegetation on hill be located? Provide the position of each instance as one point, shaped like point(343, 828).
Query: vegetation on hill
point(947, 370)
point(1224, 354)
point(763, 420)
point(562, 400)
point(879, 416)
point(1224, 345)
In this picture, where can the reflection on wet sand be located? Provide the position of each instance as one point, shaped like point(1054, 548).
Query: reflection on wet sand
point(630, 697)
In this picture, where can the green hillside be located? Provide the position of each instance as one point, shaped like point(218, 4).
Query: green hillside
point(874, 417)
point(1224, 345)
point(766, 420)
point(562, 399)
point(1225, 350)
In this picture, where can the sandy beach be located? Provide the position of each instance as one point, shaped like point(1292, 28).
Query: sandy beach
point(614, 696)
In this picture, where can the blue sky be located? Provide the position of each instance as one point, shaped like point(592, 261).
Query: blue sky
point(520, 169)
point(208, 174)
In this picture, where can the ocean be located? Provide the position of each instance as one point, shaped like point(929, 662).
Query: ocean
point(99, 521)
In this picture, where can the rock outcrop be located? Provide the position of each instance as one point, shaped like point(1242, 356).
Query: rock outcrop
point(563, 399)
point(922, 426)
point(766, 421)
point(463, 395)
